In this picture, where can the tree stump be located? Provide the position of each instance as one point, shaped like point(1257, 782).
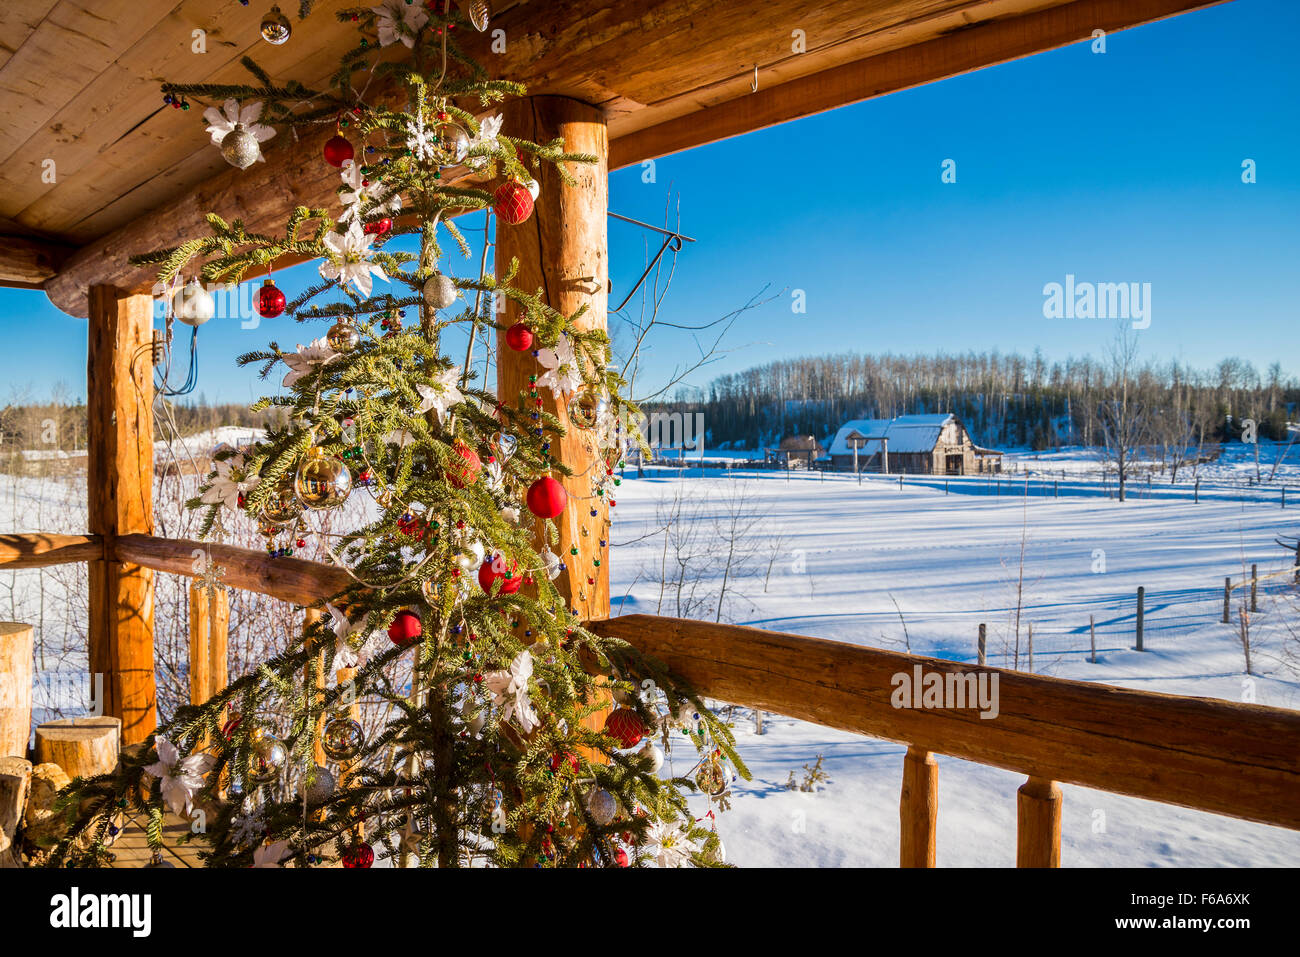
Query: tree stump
point(40, 824)
point(15, 782)
point(15, 688)
point(83, 747)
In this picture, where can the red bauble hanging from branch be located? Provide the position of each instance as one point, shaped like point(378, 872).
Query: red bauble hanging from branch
point(519, 337)
point(378, 227)
point(406, 628)
point(547, 497)
point(625, 726)
point(513, 202)
point(487, 576)
point(270, 300)
point(464, 466)
point(338, 150)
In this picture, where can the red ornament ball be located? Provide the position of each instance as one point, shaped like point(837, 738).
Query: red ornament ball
point(559, 760)
point(625, 726)
point(465, 471)
point(359, 854)
point(338, 150)
point(378, 227)
point(620, 857)
point(519, 337)
point(512, 202)
point(547, 497)
point(406, 627)
point(486, 578)
point(270, 300)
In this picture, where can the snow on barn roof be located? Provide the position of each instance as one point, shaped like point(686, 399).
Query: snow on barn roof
point(907, 433)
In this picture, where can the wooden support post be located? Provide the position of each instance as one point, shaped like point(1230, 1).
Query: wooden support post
point(1254, 588)
point(1227, 598)
point(200, 653)
point(1141, 614)
point(563, 250)
point(1038, 824)
point(309, 618)
point(218, 640)
point(982, 643)
point(15, 688)
point(81, 746)
point(918, 809)
point(120, 483)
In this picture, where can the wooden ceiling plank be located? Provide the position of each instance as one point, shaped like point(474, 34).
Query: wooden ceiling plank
point(18, 21)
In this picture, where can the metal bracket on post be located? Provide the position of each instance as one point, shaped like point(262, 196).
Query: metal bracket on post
point(670, 239)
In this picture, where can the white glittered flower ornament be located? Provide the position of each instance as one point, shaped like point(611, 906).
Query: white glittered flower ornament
point(667, 844)
point(306, 360)
point(488, 131)
point(562, 375)
point(224, 120)
point(398, 22)
point(181, 777)
point(271, 855)
point(349, 259)
point(510, 692)
point(442, 394)
point(226, 485)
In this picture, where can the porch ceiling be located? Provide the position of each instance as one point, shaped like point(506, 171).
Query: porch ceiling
point(79, 85)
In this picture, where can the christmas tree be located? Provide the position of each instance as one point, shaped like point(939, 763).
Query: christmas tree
point(491, 748)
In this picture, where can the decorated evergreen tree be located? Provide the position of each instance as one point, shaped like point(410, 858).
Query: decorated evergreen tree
point(452, 627)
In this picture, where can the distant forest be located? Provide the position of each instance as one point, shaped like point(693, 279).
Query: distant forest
point(1004, 399)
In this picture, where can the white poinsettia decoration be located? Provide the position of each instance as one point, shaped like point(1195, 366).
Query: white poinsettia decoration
point(562, 375)
point(668, 844)
point(399, 437)
point(442, 394)
point(510, 692)
point(349, 259)
point(181, 777)
point(398, 22)
point(271, 855)
point(307, 359)
point(226, 485)
point(223, 121)
point(358, 191)
point(488, 130)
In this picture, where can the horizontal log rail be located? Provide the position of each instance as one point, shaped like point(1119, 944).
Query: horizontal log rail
point(1240, 760)
point(38, 550)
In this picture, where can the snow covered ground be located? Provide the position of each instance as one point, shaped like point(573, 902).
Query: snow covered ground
point(844, 554)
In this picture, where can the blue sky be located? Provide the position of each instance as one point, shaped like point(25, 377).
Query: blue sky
point(1117, 167)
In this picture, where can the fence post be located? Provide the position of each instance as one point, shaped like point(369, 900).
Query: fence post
point(1227, 598)
point(1142, 604)
point(1092, 636)
point(918, 809)
point(981, 646)
point(1031, 647)
point(1254, 587)
point(1196, 493)
point(1038, 824)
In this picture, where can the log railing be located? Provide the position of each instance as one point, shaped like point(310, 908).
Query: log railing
point(1239, 760)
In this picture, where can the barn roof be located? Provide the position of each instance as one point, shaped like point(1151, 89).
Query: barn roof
point(906, 433)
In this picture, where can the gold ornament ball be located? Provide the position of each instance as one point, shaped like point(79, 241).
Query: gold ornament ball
point(240, 147)
point(452, 143)
point(275, 27)
point(343, 336)
point(479, 12)
point(712, 778)
point(283, 507)
point(267, 758)
point(322, 482)
point(342, 738)
point(587, 409)
point(439, 291)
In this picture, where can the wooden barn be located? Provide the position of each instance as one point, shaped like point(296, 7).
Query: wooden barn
point(936, 444)
point(796, 452)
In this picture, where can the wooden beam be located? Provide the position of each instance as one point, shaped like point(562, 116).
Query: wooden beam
point(1242, 760)
point(262, 195)
point(27, 263)
point(39, 550)
point(290, 579)
point(981, 45)
point(120, 487)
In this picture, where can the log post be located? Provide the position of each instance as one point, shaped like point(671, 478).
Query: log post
point(1038, 824)
point(310, 617)
point(80, 746)
point(15, 785)
point(15, 688)
point(563, 251)
point(918, 809)
point(200, 660)
point(120, 482)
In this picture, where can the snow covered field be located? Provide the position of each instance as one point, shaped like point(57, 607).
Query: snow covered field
point(912, 566)
point(845, 554)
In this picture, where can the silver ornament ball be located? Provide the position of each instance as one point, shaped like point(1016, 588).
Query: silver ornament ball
point(439, 291)
point(275, 27)
point(193, 304)
point(602, 806)
point(240, 147)
point(316, 786)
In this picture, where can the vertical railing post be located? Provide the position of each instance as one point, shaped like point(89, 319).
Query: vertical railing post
point(200, 647)
point(119, 400)
point(1038, 824)
point(918, 809)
